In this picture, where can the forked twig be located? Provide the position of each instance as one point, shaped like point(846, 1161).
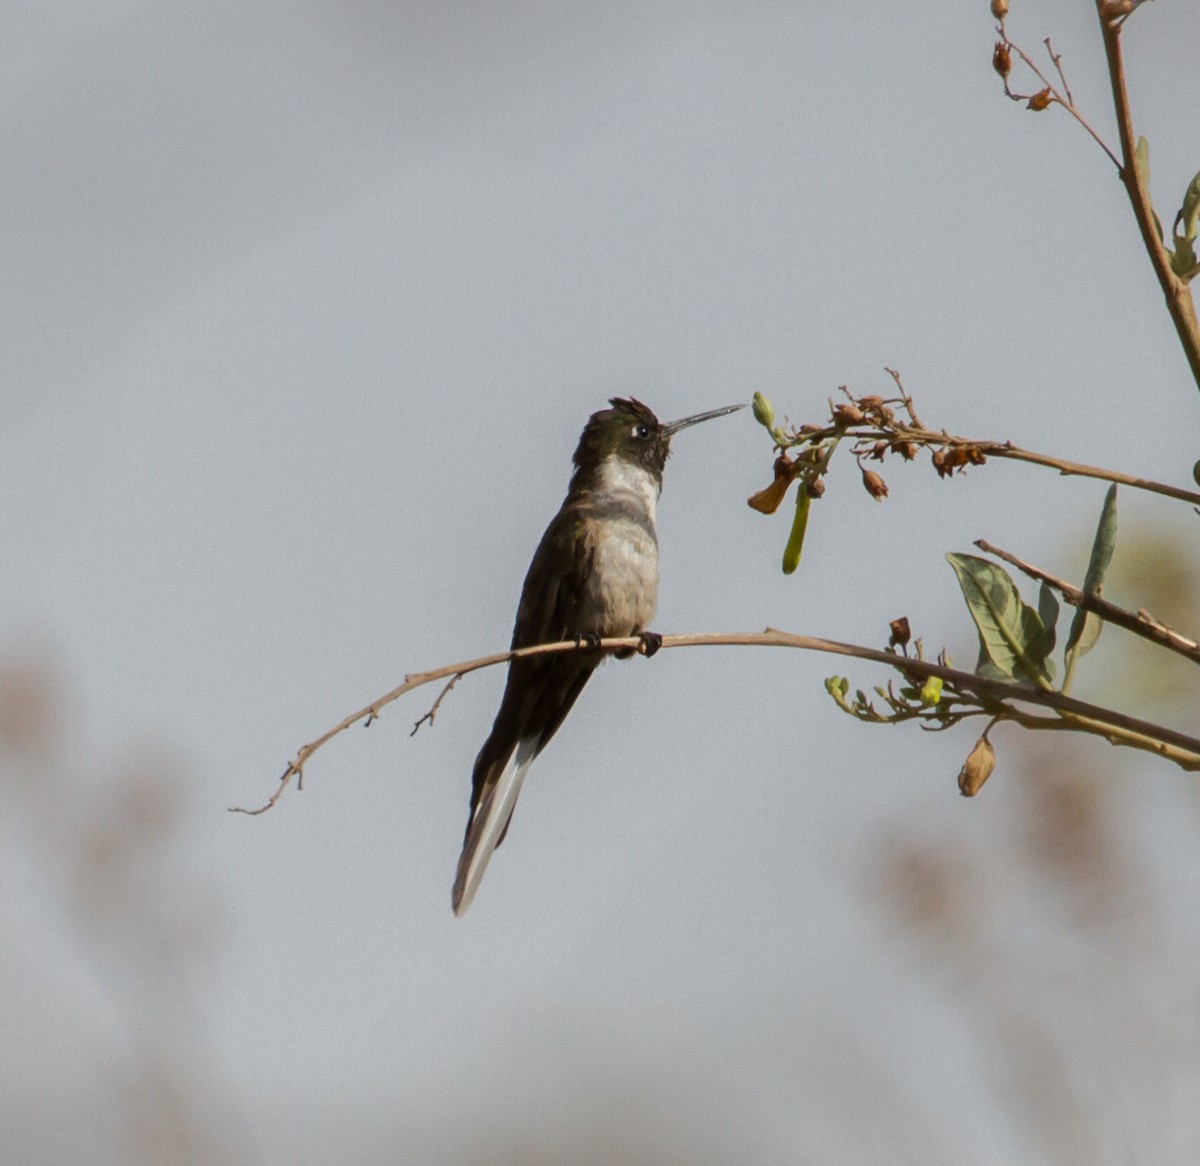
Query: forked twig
point(437, 704)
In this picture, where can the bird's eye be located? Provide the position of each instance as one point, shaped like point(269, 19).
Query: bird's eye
point(641, 432)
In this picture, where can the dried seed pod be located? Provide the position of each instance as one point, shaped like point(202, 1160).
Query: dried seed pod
point(901, 633)
point(1001, 61)
point(874, 485)
point(999, 9)
point(848, 415)
point(977, 768)
point(1040, 100)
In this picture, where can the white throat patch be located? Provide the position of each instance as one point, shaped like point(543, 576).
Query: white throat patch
point(618, 476)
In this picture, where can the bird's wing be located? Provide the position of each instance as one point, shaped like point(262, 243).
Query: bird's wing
point(554, 584)
point(538, 695)
point(541, 689)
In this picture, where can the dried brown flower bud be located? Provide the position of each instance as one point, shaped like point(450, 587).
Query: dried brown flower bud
point(1040, 100)
point(1001, 61)
point(1114, 9)
point(901, 633)
point(999, 9)
point(906, 449)
point(975, 455)
point(816, 487)
point(768, 500)
point(977, 768)
point(848, 415)
point(950, 458)
point(874, 485)
point(878, 450)
point(871, 403)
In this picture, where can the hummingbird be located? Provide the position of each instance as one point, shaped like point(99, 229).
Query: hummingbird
point(594, 575)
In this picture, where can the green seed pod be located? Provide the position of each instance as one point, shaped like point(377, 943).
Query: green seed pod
point(795, 543)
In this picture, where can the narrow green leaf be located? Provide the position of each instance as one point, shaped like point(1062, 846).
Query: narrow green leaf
point(795, 542)
point(1048, 614)
point(1104, 543)
point(1086, 628)
point(1141, 161)
point(1011, 634)
point(1189, 213)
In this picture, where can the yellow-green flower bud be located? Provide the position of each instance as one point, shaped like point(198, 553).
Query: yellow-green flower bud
point(764, 411)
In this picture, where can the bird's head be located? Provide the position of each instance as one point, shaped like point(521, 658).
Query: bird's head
point(630, 431)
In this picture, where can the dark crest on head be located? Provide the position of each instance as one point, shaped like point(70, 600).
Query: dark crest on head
point(629, 430)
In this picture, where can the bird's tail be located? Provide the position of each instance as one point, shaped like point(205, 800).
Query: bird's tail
point(489, 823)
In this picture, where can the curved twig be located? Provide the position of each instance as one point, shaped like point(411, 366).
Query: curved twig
point(1116, 727)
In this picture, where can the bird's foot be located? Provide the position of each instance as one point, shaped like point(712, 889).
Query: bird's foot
point(587, 641)
point(649, 643)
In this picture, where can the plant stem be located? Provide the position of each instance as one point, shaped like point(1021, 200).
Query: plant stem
point(1180, 304)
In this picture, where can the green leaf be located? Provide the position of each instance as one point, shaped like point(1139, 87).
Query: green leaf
point(795, 543)
point(1183, 259)
point(1141, 159)
point(1086, 628)
point(1141, 162)
point(1012, 638)
point(1048, 614)
point(1189, 213)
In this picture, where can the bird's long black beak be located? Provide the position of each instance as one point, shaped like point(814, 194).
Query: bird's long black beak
point(673, 427)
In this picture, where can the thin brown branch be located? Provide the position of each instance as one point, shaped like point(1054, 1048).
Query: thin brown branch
point(1057, 59)
point(905, 399)
point(1062, 97)
point(437, 704)
point(1141, 623)
point(1003, 449)
point(1180, 305)
point(1008, 450)
point(1116, 727)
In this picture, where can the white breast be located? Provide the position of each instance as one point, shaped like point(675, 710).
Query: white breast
point(623, 589)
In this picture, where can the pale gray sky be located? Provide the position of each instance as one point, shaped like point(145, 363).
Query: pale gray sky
point(304, 306)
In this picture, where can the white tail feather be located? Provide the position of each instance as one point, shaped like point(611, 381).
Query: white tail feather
point(488, 824)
